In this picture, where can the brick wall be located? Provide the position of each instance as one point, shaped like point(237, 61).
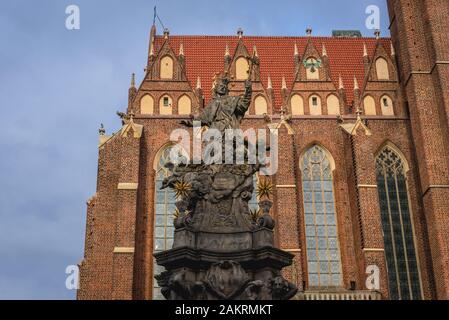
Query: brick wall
point(119, 220)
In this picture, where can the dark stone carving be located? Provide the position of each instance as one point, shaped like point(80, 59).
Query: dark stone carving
point(220, 251)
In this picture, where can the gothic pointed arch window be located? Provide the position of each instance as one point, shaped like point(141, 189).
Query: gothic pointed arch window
point(241, 68)
point(164, 208)
point(297, 105)
point(312, 68)
point(184, 105)
point(382, 69)
point(397, 226)
point(166, 68)
point(260, 105)
point(322, 244)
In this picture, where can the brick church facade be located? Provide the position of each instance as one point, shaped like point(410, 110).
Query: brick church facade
point(363, 176)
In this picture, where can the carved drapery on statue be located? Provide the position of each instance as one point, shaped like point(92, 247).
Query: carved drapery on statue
point(221, 249)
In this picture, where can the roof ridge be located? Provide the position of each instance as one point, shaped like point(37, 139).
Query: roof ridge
point(270, 37)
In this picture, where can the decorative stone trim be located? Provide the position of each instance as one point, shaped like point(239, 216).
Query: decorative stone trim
point(373, 250)
point(343, 295)
point(286, 186)
point(123, 250)
point(292, 250)
point(103, 140)
point(127, 186)
point(367, 186)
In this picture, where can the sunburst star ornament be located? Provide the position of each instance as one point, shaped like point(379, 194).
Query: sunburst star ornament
point(264, 189)
point(182, 189)
point(255, 214)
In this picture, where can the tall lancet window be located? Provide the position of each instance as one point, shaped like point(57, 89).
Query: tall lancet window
point(163, 220)
point(400, 253)
point(323, 252)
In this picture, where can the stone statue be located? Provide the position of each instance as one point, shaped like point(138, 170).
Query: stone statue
point(224, 111)
point(221, 250)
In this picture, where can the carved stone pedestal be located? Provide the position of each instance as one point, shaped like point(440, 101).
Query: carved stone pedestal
point(234, 266)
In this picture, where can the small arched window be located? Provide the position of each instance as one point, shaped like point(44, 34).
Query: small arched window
point(241, 68)
point(315, 105)
point(397, 226)
point(147, 104)
point(387, 106)
point(165, 105)
point(369, 105)
point(166, 68)
point(297, 105)
point(322, 244)
point(312, 71)
point(184, 105)
point(260, 105)
point(333, 105)
point(382, 69)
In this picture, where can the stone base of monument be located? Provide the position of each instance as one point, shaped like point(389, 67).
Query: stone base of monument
point(224, 266)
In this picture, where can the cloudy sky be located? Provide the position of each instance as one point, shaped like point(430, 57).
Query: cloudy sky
point(57, 86)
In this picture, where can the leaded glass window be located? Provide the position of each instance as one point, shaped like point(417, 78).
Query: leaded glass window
point(400, 253)
point(163, 221)
point(323, 252)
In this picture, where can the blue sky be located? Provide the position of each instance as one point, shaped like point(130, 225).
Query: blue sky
point(57, 86)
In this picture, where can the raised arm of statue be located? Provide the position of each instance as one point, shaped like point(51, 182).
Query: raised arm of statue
point(245, 100)
point(202, 118)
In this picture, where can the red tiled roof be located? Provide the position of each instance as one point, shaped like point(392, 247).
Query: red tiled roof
point(204, 57)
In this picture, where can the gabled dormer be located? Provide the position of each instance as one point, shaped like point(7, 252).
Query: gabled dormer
point(382, 66)
point(166, 65)
point(165, 89)
point(239, 65)
point(242, 60)
point(312, 66)
point(313, 92)
point(380, 95)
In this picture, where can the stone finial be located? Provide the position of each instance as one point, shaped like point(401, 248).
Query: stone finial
point(365, 50)
point(133, 80)
point(309, 32)
point(152, 50)
point(255, 51)
point(356, 84)
point(102, 130)
point(284, 83)
point(377, 34)
point(340, 82)
point(269, 83)
point(324, 51)
point(296, 50)
point(227, 52)
point(240, 33)
point(166, 33)
point(181, 49)
point(393, 52)
point(198, 83)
